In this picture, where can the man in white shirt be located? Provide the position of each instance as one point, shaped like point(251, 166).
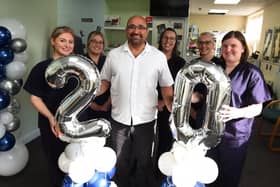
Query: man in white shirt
point(132, 71)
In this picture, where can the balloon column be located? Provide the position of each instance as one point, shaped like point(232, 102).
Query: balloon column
point(186, 163)
point(86, 161)
point(13, 155)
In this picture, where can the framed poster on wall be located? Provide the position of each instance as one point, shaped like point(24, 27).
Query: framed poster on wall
point(276, 46)
point(267, 44)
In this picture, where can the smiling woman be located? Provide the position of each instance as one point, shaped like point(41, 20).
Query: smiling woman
point(46, 99)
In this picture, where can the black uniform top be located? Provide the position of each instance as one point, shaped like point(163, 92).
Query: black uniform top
point(175, 63)
point(37, 85)
point(101, 99)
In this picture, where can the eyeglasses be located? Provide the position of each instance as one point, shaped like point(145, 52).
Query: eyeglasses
point(204, 42)
point(97, 42)
point(169, 38)
point(134, 27)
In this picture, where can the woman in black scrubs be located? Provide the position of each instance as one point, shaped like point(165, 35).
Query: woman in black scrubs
point(168, 45)
point(46, 100)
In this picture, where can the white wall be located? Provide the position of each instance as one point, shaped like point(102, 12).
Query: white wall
point(70, 13)
point(39, 18)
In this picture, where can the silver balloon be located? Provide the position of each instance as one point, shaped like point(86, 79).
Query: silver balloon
point(218, 86)
point(12, 86)
point(57, 74)
point(18, 45)
point(13, 125)
point(14, 106)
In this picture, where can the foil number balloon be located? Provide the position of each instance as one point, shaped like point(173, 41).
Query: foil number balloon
point(57, 74)
point(218, 86)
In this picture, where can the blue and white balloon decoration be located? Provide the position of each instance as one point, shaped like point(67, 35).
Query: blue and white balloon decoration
point(13, 155)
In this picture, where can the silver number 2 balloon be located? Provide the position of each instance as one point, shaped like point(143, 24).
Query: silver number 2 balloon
point(57, 75)
point(218, 87)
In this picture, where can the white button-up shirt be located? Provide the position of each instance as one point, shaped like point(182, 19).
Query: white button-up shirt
point(134, 81)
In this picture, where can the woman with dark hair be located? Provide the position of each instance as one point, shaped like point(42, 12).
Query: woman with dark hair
point(101, 105)
point(249, 91)
point(168, 45)
point(46, 100)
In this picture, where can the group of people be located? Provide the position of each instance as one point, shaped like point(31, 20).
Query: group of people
point(136, 95)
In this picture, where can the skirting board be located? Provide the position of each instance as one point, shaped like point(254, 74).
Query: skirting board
point(30, 136)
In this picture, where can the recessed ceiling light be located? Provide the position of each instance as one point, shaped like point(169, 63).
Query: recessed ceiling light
point(217, 11)
point(226, 2)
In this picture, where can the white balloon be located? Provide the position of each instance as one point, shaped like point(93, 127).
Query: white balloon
point(13, 160)
point(91, 148)
point(207, 170)
point(113, 184)
point(22, 57)
point(183, 176)
point(15, 70)
point(2, 130)
point(166, 162)
point(6, 117)
point(64, 163)
point(73, 151)
point(106, 159)
point(15, 27)
point(180, 152)
point(80, 171)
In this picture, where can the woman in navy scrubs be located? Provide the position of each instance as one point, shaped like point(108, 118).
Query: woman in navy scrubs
point(46, 100)
point(249, 91)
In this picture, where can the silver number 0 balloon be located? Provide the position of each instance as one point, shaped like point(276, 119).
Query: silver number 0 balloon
point(218, 87)
point(57, 75)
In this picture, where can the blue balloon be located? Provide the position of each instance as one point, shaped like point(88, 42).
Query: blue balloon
point(111, 173)
point(6, 55)
point(2, 72)
point(100, 179)
point(198, 184)
point(67, 182)
point(4, 99)
point(167, 182)
point(5, 36)
point(7, 142)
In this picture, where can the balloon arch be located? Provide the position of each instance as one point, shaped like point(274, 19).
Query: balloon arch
point(13, 154)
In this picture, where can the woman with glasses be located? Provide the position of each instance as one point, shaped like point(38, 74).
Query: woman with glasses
point(100, 107)
point(168, 45)
point(206, 47)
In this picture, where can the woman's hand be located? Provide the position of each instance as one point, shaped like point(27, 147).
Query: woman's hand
point(54, 126)
point(228, 113)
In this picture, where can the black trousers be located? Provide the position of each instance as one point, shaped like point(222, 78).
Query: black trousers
point(52, 147)
point(164, 140)
point(133, 146)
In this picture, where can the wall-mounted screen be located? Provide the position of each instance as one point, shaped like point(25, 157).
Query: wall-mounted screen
point(169, 8)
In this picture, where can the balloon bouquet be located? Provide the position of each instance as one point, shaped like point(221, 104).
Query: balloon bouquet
point(85, 160)
point(186, 165)
point(13, 56)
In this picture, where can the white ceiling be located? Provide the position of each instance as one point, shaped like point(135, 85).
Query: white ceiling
point(244, 8)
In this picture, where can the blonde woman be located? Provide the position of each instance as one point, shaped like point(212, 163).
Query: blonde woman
point(46, 100)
